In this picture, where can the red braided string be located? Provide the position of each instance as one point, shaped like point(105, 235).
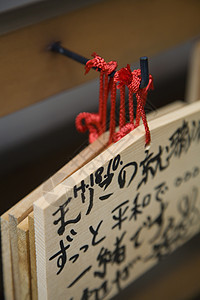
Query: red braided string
point(122, 112)
point(112, 111)
point(96, 123)
point(131, 108)
point(132, 81)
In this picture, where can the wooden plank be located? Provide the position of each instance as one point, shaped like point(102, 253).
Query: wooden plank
point(122, 213)
point(6, 258)
point(22, 209)
point(24, 260)
point(32, 256)
point(150, 116)
point(193, 85)
point(29, 73)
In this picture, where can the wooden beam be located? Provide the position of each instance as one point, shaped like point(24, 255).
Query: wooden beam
point(115, 29)
point(193, 84)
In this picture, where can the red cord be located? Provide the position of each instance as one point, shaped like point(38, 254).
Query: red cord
point(132, 81)
point(96, 123)
point(112, 112)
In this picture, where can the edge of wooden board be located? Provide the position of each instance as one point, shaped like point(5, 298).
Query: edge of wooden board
point(34, 290)
point(6, 258)
point(24, 260)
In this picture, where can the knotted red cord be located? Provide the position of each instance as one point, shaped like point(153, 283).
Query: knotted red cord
point(132, 80)
point(96, 123)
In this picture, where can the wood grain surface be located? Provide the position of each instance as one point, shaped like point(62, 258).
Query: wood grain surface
point(64, 218)
point(115, 29)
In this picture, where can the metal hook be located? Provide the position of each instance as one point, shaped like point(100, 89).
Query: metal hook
point(144, 67)
point(56, 47)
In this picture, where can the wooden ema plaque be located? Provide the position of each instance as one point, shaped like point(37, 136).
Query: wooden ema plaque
point(121, 213)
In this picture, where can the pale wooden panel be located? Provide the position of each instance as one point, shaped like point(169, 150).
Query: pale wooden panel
point(193, 86)
point(168, 202)
point(6, 258)
point(23, 208)
point(160, 112)
point(115, 29)
point(24, 260)
point(32, 256)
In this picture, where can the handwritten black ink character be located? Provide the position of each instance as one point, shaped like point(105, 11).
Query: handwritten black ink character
point(74, 258)
point(124, 274)
point(108, 177)
point(62, 256)
point(97, 293)
point(114, 163)
point(195, 172)
point(104, 257)
point(146, 200)
point(73, 233)
point(158, 221)
point(174, 233)
point(178, 181)
point(107, 256)
point(122, 177)
point(62, 221)
point(105, 180)
point(79, 276)
point(188, 209)
point(91, 198)
point(120, 217)
point(84, 248)
point(95, 233)
point(81, 188)
point(135, 209)
point(119, 253)
point(161, 189)
point(63, 211)
point(105, 197)
point(151, 164)
point(163, 246)
point(181, 139)
point(136, 236)
point(196, 131)
point(121, 276)
point(98, 175)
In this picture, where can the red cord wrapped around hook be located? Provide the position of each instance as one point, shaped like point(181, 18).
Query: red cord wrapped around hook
point(96, 122)
point(125, 77)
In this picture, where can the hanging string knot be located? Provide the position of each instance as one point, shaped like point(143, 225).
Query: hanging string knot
point(96, 122)
point(100, 64)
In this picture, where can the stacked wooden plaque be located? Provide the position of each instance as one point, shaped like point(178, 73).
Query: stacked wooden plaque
point(109, 215)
